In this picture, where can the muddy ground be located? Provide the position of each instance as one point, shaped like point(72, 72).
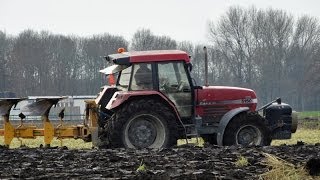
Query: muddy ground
point(210, 162)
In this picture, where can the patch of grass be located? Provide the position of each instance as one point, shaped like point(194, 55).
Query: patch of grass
point(241, 162)
point(76, 143)
point(308, 136)
point(308, 132)
point(33, 143)
point(280, 169)
point(191, 141)
point(142, 167)
point(308, 114)
point(309, 124)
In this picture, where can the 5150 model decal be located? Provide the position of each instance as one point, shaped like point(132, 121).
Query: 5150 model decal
point(247, 100)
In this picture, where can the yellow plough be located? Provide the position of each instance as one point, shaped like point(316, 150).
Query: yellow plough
point(41, 107)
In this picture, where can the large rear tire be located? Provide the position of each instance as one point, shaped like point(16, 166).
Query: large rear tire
point(144, 123)
point(247, 129)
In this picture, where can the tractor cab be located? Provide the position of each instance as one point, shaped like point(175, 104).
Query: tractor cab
point(163, 73)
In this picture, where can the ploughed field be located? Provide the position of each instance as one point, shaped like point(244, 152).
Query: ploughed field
point(182, 162)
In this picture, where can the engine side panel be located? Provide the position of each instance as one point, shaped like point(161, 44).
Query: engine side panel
point(215, 101)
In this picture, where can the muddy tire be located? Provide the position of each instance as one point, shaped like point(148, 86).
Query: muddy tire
point(247, 129)
point(140, 124)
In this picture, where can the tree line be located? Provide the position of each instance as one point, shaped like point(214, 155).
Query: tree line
point(269, 51)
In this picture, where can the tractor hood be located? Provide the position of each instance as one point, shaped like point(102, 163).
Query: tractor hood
point(224, 95)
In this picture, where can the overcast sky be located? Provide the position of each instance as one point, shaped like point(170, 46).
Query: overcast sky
point(179, 19)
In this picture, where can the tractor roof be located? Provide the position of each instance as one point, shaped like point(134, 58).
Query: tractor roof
point(126, 58)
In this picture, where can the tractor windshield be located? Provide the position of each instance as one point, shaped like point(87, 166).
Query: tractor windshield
point(124, 78)
point(123, 70)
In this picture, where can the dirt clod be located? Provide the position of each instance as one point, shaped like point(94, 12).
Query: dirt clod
point(210, 162)
point(313, 166)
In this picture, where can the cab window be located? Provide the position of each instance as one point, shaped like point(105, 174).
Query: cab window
point(174, 83)
point(142, 77)
point(124, 78)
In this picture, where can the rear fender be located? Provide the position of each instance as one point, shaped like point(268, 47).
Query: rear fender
point(122, 97)
point(225, 121)
point(105, 95)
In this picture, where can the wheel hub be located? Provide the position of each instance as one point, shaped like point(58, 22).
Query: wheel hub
point(142, 133)
point(249, 135)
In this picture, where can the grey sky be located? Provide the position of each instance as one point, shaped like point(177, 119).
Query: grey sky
point(179, 19)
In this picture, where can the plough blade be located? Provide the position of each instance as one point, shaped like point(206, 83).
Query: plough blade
point(7, 103)
point(42, 106)
point(5, 106)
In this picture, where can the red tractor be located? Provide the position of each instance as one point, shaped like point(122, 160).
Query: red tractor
point(155, 102)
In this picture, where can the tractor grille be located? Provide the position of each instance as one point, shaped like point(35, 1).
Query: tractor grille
point(215, 110)
point(213, 114)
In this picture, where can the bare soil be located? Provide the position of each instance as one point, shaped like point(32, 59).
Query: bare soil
point(209, 162)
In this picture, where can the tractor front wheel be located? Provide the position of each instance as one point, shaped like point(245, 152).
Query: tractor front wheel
point(247, 129)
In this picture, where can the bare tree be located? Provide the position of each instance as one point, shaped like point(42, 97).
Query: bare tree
point(304, 58)
point(144, 39)
point(3, 61)
point(266, 50)
point(254, 46)
point(233, 38)
point(47, 64)
point(93, 50)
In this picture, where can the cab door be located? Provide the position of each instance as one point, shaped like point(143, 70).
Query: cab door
point(174, 83)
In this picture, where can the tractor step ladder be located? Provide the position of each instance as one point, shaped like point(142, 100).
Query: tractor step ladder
point(191, 132)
